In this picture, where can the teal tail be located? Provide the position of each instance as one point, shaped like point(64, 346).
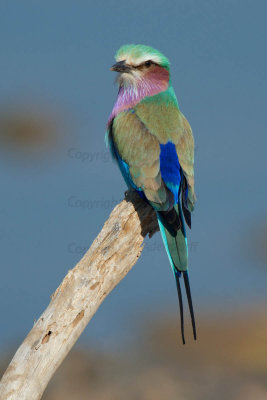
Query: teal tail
point(173, 233)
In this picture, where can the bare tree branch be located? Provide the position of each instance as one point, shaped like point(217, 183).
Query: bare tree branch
point(113, 253)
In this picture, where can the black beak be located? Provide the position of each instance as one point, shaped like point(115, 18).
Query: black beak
point(120, 66)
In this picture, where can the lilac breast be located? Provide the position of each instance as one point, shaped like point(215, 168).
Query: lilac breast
point(129, 96)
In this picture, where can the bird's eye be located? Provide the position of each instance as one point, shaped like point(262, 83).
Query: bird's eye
point(148, 63)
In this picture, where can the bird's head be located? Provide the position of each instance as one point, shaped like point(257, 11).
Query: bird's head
point(139, 64)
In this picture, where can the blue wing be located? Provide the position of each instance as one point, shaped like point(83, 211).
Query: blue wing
point(171, 171)
point(170, 168)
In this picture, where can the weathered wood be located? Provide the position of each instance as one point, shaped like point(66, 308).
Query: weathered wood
point(113, 253)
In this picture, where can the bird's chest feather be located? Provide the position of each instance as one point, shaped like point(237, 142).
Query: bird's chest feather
point(135, 144)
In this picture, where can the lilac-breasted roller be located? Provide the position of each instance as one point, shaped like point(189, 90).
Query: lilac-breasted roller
point(153, 144)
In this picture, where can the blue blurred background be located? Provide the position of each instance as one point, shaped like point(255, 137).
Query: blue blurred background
point(59, 184)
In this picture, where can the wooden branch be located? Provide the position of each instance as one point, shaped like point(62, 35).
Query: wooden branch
point(113, 253)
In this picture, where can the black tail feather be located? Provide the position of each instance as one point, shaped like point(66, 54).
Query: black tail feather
point(172, 219)
point(177, 278)
point(186, 212)
point(187, 215)
point(189, 299)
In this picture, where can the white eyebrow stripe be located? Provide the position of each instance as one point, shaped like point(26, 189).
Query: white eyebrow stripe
point(140, 60)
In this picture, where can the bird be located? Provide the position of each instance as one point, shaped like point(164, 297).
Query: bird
point(153, 144)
